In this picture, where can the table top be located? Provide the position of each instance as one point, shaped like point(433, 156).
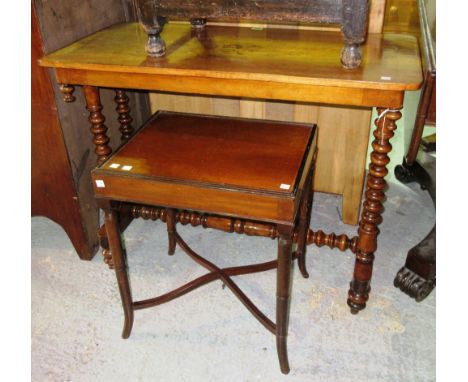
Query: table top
point(276, 55)
point(228, 153)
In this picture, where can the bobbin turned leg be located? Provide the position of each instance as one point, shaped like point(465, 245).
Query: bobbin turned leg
point(371, 215)
point(123, 110)
point(171, 229)
point(99, 130)
point(103, 150)
point(283, 288)
point(113, 234)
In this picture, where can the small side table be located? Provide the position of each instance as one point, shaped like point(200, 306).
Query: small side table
point(226, 172)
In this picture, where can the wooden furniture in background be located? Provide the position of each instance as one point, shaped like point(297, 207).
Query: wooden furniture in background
point(303, 69)
point(61, 151)
point(417, 278)
point(351, 15)
point(253, 172)
point(411, 170)
point(53, 191)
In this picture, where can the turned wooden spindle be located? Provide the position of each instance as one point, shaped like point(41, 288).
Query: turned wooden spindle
point(196, 219)
point(240, 226)
point(99, 130)
point(371, 215)
point(67, 91)
point(342, 242)
point(123, 109)
point(104, 244)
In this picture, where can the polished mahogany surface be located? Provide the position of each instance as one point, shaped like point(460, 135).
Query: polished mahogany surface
point(253, 169)
point(226, 152)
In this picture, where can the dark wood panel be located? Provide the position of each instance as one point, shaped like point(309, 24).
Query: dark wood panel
point(329, 11)
point(53, 192)
point(61, 23)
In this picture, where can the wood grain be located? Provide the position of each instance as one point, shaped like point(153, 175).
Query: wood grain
point(301, 57)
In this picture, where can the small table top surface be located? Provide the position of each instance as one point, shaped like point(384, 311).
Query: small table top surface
point(390, 61)
point(216, 152)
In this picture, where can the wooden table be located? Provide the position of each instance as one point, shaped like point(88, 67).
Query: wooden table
point(276, 64)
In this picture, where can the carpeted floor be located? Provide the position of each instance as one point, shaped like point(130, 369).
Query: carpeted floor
point(208, 335)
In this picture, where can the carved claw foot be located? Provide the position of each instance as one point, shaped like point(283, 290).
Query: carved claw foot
point(413, 285)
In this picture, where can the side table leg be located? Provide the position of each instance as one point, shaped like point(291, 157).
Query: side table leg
point(304, 223)
point(371, 215)
point(120, 265)
point(171, 229)
point(99, 130)
point(103, 151)
point(283, 288)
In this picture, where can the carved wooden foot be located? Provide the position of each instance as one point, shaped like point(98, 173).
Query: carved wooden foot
point(371, 215)
point(413, 285)
point(351, 56)
point(354, 28)
point(418, 277)
point(120, 265)
point(414, 173)
point(67, 92)
point(283, 287)
point(99, 130)
point(153, 26)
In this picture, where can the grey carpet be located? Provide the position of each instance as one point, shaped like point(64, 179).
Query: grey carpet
point(208, 335)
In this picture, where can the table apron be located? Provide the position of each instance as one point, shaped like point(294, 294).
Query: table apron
point(227, 87)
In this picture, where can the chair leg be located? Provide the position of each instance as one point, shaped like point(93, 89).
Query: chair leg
point(113, 234)
point(283, 288)
point(171, 228)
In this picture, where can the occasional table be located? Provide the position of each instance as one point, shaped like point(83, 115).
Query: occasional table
point(277, 64)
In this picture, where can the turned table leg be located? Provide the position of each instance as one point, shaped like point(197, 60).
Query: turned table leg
point(283, 289)
point(99, 130)
point(123, 110)
point(371, 215)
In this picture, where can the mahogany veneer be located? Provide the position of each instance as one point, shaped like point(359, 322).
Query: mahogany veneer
point(247, 169)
